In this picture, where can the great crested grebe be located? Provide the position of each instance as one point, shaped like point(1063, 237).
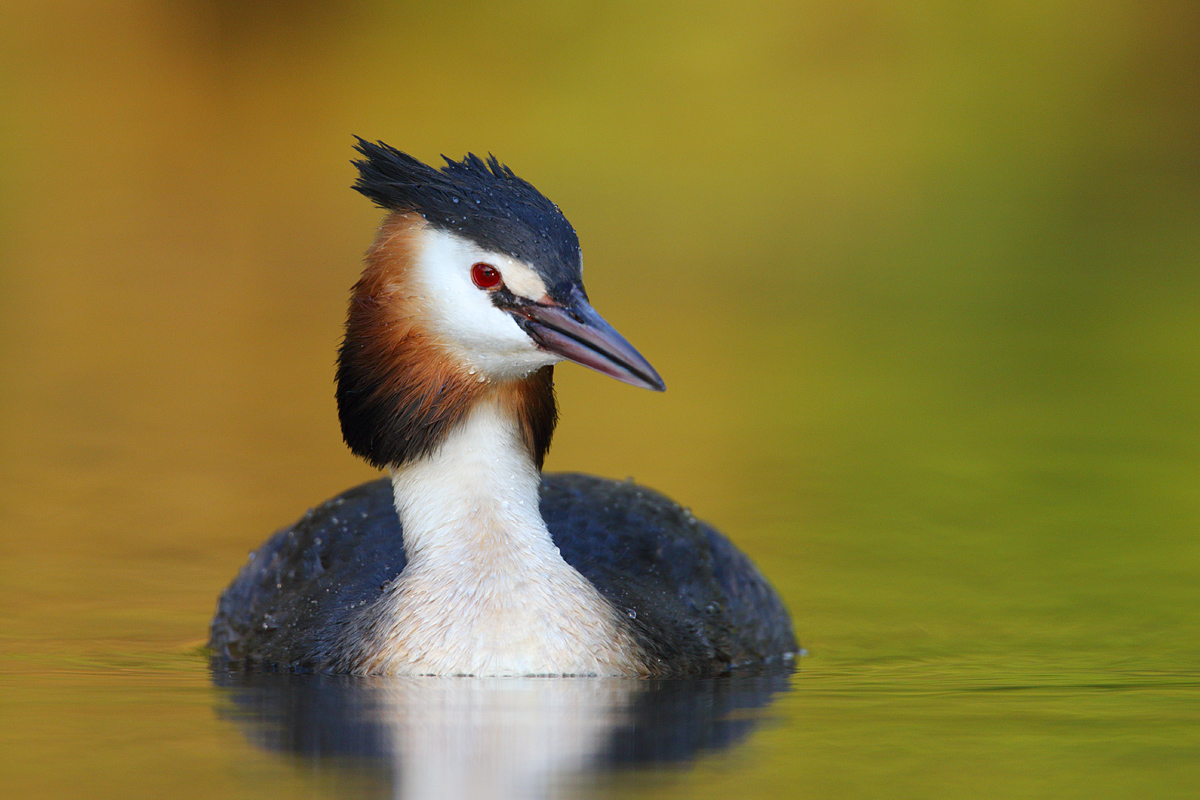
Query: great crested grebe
point(470, 561)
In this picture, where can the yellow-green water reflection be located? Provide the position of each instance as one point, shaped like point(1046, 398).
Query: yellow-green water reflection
point(922, 279)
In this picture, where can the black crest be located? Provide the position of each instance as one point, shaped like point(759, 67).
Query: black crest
point(483, 201)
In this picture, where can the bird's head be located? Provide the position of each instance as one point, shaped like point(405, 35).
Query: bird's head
point(472, 288)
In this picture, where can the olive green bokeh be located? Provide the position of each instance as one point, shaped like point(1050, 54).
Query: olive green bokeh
point(923, 279)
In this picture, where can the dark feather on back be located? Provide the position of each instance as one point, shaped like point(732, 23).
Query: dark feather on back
point(694, 603)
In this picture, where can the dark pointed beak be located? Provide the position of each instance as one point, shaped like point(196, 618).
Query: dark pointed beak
point(577, 333)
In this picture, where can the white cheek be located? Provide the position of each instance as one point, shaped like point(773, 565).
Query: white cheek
point(486, 338)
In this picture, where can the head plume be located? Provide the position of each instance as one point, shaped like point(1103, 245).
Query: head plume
point(483, 201)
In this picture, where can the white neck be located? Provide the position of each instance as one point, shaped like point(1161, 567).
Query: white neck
point(485, 591)
point(481, 478)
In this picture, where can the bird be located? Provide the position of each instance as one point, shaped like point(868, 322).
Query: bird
point(467, 559)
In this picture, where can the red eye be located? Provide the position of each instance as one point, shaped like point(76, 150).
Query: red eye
point(485, 276)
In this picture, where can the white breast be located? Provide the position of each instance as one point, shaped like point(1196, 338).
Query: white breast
point(485, 591)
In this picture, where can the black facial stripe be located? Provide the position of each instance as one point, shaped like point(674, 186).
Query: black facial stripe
point(503, 298)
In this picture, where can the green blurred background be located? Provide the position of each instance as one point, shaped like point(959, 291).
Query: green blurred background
point(923, 280)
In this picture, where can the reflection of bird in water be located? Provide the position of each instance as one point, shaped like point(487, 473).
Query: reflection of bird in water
point(471, 292)
point(421, 737)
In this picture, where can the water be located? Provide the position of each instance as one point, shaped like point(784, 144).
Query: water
point(923, 284)
point(438, 737)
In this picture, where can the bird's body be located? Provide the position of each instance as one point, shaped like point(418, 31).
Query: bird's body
point(470, 561)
